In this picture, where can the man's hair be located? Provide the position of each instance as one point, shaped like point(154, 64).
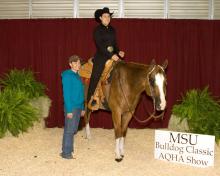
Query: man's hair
point(74, 58)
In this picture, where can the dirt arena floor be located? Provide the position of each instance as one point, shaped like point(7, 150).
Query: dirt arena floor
point(36, 153)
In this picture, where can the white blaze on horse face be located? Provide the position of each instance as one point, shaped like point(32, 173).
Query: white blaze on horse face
point(159, 80)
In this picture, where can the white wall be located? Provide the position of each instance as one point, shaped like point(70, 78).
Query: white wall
point(181, 9)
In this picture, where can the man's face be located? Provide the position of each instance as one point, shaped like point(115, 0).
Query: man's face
point(75, 65)
point(105, 19)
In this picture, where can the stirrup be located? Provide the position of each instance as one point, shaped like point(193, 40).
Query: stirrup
point(93, 104)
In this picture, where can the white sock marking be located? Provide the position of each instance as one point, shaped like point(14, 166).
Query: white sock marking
point(117, 151)
point(88, 134)
point(121, 145)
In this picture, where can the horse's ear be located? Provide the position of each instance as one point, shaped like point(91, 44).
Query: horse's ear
point(153, 62)
point(165, 63)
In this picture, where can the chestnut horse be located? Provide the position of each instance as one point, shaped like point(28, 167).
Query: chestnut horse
point(129, 80)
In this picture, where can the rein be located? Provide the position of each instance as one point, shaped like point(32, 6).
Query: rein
point(153, 115)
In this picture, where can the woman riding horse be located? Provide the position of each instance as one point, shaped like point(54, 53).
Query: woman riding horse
point(105, 40)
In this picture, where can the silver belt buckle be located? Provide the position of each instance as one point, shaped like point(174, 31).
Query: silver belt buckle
point(110, 49)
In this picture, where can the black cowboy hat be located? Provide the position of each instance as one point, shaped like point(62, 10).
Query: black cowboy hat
point(99, 13)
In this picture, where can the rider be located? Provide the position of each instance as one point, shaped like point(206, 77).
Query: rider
point(105, 40)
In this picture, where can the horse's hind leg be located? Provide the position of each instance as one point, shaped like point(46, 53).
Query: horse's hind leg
point(86, 120)
point(116, 117)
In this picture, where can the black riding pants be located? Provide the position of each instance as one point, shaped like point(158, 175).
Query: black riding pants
point(97, 70)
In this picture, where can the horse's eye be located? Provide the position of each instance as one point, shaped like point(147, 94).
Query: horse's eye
point(151, 81)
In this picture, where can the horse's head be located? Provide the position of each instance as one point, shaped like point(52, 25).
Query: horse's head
point(156, 84)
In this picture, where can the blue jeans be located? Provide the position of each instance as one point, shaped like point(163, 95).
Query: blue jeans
point(70, 128)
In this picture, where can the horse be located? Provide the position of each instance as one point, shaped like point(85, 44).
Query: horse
point(129, 80)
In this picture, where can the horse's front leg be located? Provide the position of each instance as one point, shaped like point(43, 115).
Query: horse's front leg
point(121, 146)
point(126, 117)
point(116, 117)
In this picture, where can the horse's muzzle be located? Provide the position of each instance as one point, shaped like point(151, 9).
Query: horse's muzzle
point(161, 106)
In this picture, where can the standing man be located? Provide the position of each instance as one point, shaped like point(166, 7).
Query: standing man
point(73, 94)
point(106, 45)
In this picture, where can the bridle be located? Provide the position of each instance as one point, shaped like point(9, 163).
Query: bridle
point(151, 89)
point(153, 115)
point(150, 86)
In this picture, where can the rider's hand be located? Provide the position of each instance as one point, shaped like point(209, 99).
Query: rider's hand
point(115, 57)
point(69, 115)
point(121, 54)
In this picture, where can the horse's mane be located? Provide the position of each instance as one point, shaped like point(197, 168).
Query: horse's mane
point(134, 64)
point(141, 67)
point(134, 67)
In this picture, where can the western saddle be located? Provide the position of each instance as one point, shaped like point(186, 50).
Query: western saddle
point(85, 72)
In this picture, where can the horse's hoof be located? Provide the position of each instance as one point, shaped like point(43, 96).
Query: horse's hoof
point(88, 137)
point(118, 159)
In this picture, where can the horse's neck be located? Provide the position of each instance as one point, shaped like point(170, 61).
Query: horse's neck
point(138, 68)
point(132, 81)
point(135, 74)
point(139, 71)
